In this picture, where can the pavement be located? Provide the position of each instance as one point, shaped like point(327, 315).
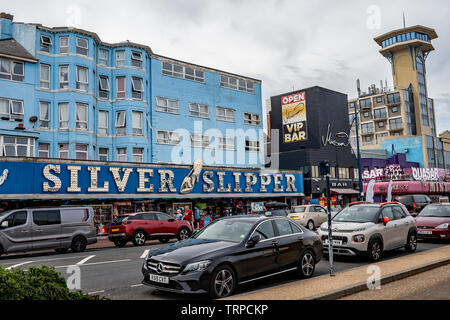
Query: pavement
point(353, 280)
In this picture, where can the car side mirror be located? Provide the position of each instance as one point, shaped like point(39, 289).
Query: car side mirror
point(414, 214)
point(385, 220)
point(4, 224)
point(253, 240)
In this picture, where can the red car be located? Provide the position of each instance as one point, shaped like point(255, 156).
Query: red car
point(142, 226)
point(434, 221)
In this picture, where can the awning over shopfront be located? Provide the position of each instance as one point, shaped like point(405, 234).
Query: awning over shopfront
point(344, 191)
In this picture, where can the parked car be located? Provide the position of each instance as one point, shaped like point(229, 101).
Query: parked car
point(60, 228)
point(370, 229)
point(232, 251)
point(434, 221)
point(310, 216)
point(414, 202)
point(143, 226)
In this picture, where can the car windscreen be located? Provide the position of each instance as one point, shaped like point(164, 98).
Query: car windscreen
point(119, 219)
point(4, 213)
point(435, 211)
point(299, 209)
point(226, 230)
point(357, 214)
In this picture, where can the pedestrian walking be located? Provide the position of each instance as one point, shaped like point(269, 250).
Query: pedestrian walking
point(188, 215)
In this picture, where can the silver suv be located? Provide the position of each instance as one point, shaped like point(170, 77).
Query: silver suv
point(369, 229)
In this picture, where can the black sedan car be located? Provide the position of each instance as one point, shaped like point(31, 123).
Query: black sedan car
point(232, 251)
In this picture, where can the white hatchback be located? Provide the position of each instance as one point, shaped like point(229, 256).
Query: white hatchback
point(310, 216)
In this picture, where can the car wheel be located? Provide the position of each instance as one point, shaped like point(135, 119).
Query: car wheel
point(183, 233)
point(61, 250)
point(374, 250)
point(411, 244)
point(120, 243)
point(223, 282)
point(306, 265)
point(78, 244)
point(310, 225)
point(163, 240)
point(139, 238)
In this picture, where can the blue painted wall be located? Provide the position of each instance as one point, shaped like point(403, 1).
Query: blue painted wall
point(414, 146)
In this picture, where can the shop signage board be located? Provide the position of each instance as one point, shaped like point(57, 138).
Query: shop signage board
point(293, 110)
point(31, 178)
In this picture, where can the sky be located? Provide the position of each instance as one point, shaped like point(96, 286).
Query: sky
point(288, 44)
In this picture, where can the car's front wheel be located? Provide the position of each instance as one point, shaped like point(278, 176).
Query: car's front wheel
point(223, 282)
point(79, 244)
point(306, 265)
point(374, 250)
point(411, 244)
point(310, 225)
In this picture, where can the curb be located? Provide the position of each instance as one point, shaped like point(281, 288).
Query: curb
point(334, 295)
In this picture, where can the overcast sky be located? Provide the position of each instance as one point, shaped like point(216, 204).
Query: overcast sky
point(285, 43)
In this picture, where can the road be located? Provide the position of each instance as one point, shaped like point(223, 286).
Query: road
point(116, 272)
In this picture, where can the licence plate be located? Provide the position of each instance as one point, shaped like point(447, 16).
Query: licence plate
point(424, 232)
point(115, 229)
point(335, 242)
point(160, 279)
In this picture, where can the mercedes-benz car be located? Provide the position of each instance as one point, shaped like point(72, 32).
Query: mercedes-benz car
point(232, 251)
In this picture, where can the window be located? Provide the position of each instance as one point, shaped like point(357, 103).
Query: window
point(314, 172)
point(17, 219)
point(366, 103)
point(284, 227)
point(44, 150)
point(63, 151)
point(394, 109)
point(367, 128)
point(167, 105)
point(138, 155)
point(121, 123)
point(44, 114)
point(120, 58)
point(64, 77)
point(380, 113)
point(45, 76)
point(81, 151)
point(366, 114)
point(63, 45)
point(121, 91)
point(103, 57)
point(395, 124)
point(200, 141)
point(16, 146)
point(137, 122)
point(63, 115)
point(226, 143)
point(265, 230)
point(251, 118)
point(136, 59)
point(167, 137)
point(379, 99)
point(137, 88)
point(82, 116)
point(198, 110)
point(225, 114)
point(332, 172)
point(121, 154)
point(175, 70)
point(251, 145)
point(344, 173)
point(355, 173)
point(47, 217)
point(103, 87)
point(82, 46)
point(103, 122)
point(393, 98)
point(11, 70)
point(82, 78)
point(11, 109)
point(103, 154)
point(46, 43)
point(379, 136)
point(381, 124)
point(237, 84)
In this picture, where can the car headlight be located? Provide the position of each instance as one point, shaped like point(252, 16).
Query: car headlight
point(197, 266)
point(443, 226)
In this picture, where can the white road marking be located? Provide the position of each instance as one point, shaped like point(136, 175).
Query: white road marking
point(94, 263)
point(95, 292)
point(145, 254)
point(136, 285)
point(18, 265)
point(47, 260)
point(85, 259)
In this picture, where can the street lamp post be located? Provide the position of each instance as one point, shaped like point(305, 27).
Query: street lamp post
point(358, 156)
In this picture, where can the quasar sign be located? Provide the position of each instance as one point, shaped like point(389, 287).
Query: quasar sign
point(293, 110)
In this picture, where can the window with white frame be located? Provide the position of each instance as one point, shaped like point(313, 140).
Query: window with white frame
point(237, 84)
point(64, 77)
point(103, 154)
point(81, 151)
point(63, 115)
point(121, 123)
point(82, 46)
point(137, 88)
point(120, 58)
point(138, 154)
point(121, 154)
point(179, 71)
point(137, 122)
point(103, 87)
point(11, 109)
point(46, 43)
point(63, 45)
point(251, 145)
point(167, 137)
point(136, 59)
point(344, 173)
point(200, 140)
point(167, 105)
point(315, 172)
point(43, 150)
point(63, 151)
point(252, 119)
point(198, 110)
point(103, 57)
point(44, 114)
point(11, 70)
point(82, 116)
point(225, 114)
point(82, 78)
point(11, 146)
point(103, 122)
point(226, 143)
point(45, 76)
point(120, 88)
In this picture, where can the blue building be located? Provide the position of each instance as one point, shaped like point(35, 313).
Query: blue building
point(66, 94)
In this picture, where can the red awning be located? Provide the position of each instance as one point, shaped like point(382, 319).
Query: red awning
point(344, 191)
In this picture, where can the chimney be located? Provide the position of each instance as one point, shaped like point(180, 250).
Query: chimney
point(6, 27)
